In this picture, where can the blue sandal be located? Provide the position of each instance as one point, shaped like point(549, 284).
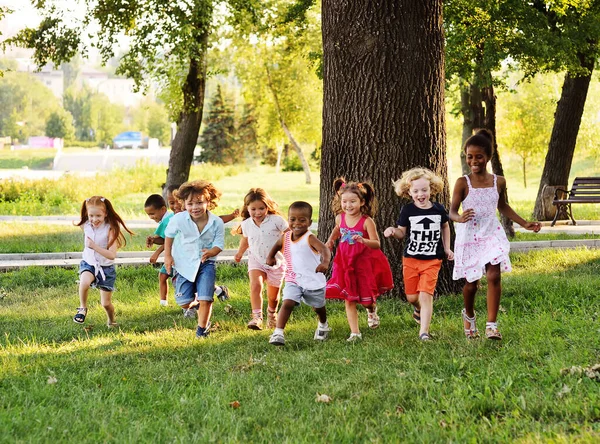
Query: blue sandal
point(80, 315)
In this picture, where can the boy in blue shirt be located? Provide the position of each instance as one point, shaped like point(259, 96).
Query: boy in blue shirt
point(156, 208)
point(192, 240)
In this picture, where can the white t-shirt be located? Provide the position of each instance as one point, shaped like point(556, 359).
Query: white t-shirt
point(262, 238)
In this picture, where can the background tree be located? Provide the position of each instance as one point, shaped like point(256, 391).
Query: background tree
point(60, 124)
point(383, 110)
point(218, 136)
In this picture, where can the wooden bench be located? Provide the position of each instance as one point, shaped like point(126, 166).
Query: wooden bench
point(583, 190)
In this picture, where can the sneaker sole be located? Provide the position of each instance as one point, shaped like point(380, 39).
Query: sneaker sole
point(254, 327)
point(279, 344)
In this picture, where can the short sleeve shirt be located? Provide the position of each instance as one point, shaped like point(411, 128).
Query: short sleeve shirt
point(262, 238)
point(423, 238)
point(162, 225)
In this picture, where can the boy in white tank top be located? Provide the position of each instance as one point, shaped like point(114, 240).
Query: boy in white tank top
point(307, 258)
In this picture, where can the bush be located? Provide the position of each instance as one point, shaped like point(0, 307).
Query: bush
point(81, 144)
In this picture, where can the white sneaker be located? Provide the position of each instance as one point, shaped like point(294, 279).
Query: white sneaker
point(164, 302)
point(372, 319)
point(277, 339)
point(354, 337)
point(322, 333)
point(190, 313)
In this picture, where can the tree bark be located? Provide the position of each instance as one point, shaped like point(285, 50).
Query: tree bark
point(467, 126)
point(286, 130)
point(383, 110)
point(561, 147)
point(189, 121)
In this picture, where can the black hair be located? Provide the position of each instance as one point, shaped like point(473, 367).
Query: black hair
point(172, 188)
point(484, 139)
point(155, 201)
point(301, 205)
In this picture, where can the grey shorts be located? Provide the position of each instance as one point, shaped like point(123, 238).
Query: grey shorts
point(314, 298)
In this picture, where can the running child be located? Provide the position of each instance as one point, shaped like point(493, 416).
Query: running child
point(156, 209)
point(425, 225)
point(307, 259)
point(101, 227)
point(361, 272)
point(192, 240)
point(261, 228)
point(481, 245)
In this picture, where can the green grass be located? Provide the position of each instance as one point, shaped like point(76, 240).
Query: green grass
point(151, 380)
point(32, 159)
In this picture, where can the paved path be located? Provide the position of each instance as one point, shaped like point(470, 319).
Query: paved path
point(70, 259)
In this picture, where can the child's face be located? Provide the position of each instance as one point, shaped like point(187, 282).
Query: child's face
point(299, 221)
point(196, 205)
point(156, 214)
point(96, 215)
point(351, 203)
point(257, 210)
point(420, 191)
point(477, 159)
point(174, 204)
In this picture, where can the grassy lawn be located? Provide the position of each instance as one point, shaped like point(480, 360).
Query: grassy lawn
point(33, 159)
point(152, 380)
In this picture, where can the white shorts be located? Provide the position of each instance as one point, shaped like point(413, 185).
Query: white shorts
point(313, 298)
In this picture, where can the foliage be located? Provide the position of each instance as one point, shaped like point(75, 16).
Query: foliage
point(447, 390)
point(218, 134)
point(151, 118)
point(78, 102)
point(60, 124)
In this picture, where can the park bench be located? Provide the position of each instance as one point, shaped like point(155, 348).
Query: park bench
point(583, 190)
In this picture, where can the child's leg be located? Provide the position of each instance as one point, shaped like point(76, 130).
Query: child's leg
point(284, 313)
point(257, 279)
point(163, 286)
point(352, 315)
point(426, 303)
point(204, 312)
point(494, 291)
point(106, 300)
point(469, 291)
point(321, 314)
point(85, 280)
point(272, 297)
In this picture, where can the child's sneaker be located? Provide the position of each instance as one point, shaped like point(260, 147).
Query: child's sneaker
point(277, 339)
point(164, 303)
point(202, 333)
point(190, 313)
point(322, 333)
point(256, 322)
point(354, 337)
point(271, 319)
point(372, 319)
point(224, 294)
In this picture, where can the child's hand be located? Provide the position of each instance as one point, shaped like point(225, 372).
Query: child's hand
point(389, 232)
point(154, 257)
point(149, 241)
point(449, 254)
point(89, 243)
point(358, 238)
point(322, 268)
point(271, 261)
point(238, 257)
point(206, 254)
point(467, 215)
point(169, 263)
point(329, 244)
point(236, 213)
point(533, 226)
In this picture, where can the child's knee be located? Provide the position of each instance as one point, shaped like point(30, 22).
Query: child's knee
point(412, 298)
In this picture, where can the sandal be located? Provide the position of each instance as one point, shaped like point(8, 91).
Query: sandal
point(112, 324)
point(417, 315)
point(80, 315)
point(425, 337)
point(491, 331)
point(471, 332)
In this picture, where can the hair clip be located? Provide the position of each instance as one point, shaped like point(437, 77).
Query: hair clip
point(343, 185)
point(102, 199)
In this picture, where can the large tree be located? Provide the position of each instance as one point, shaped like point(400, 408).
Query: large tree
point(383, 109)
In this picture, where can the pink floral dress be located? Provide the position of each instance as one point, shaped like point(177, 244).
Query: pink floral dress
point(481, 240)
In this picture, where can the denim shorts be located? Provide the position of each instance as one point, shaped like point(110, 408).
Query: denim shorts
point(313, 298)
point(110, 276)
point(204, 285)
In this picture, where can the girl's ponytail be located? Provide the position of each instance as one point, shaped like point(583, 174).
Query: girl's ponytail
point(368, 195)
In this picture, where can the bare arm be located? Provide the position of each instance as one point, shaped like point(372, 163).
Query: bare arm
point(323, 250)
point(229, 217)
point(446, 241)
point(507, 211)
point(373, 241)
point(276, 248)
point(241, 249)
point(459, 194)
point(395, 232)
point(168, 256)
point(335, 233)
point(156, 254)
point(109, 253)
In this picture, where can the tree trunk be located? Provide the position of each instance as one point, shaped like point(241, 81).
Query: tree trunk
point(383, 105)
point(489, 98)
point(189, 121)
point(467, 126)
point(288, 133)
point(561, 147)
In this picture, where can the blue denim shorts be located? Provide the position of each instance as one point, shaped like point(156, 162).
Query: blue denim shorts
point(110, 276)
point(203, 286)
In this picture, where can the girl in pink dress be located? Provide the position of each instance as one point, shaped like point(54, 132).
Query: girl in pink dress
point(361, 271)
point(481, 245)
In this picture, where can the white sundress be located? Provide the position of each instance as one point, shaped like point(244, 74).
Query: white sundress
point(481, 240)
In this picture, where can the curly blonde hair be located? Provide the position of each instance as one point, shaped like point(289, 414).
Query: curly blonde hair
point(201, 187)
point(402, 185)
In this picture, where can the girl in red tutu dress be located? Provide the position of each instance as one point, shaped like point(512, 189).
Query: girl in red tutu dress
point(361, 271)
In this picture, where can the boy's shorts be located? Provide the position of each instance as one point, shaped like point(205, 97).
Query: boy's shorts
point(420, 275)
point(314, 298)
point(274, 275)
point(107, 283)
point(203, 286)
point(163, 270)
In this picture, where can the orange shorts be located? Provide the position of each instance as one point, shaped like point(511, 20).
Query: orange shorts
point(420, 275)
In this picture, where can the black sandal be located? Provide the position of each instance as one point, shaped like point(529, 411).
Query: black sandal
point(79, 317)
point(425, 337)
point(417, 316)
